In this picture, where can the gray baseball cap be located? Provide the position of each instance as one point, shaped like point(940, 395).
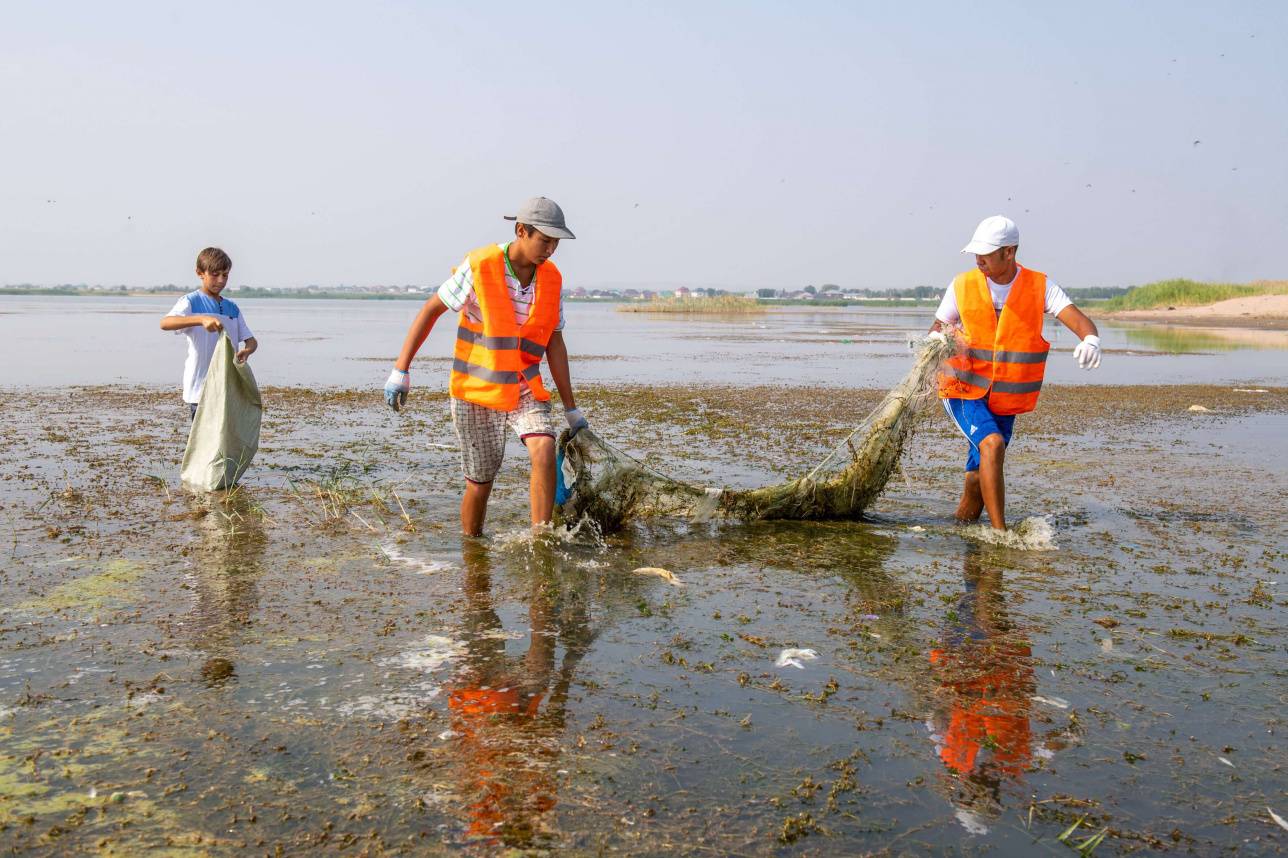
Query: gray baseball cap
point(545, 215)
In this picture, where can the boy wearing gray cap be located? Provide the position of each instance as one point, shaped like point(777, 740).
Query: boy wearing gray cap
point(509, 297)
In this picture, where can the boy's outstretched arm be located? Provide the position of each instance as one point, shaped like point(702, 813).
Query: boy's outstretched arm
point(1076, 320)
point(1086, 352)
point(399, 383)
point(557, 360)
point(178, 323)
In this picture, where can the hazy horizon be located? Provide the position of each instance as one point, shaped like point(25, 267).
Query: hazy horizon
point(731, 145)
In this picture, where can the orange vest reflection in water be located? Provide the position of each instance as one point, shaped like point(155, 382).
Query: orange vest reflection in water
point(508, 711)
point(509, 766)
point(985, 673)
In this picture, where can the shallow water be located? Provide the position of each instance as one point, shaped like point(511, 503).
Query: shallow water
point(350, 344)
point(291, 667)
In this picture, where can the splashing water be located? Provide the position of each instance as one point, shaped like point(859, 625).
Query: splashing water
point(582, 533)
point(1034, 533)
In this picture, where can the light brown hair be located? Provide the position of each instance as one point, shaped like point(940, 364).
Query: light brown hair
point(213, 259)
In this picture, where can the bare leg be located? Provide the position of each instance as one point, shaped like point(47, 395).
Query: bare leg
point(474, 507)
point(992, 485)
point(972, 502)
point(541, 485)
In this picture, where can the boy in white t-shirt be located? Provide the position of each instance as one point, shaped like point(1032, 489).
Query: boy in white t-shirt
point(201, 316)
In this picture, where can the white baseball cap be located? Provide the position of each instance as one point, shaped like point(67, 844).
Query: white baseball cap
point(992, 233)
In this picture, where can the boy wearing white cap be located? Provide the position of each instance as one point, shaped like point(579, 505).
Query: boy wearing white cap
point(999, 307)
point(509, 297)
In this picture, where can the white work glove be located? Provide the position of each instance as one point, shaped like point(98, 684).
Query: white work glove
point(397, 388)
point(1087, 352)
point(937, 336)
point(576, 422)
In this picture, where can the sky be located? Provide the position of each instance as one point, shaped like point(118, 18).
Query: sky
point(739, 145)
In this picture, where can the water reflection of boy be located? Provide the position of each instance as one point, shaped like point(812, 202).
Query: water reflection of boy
point(984, 670)
point(1000, 307)
point(201, 316)
point(227, 566)
point(507, 745)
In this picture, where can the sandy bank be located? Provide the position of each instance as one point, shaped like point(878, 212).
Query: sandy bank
point(1255, 311)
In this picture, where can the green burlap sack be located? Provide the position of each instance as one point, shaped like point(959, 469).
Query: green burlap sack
point(225, 431)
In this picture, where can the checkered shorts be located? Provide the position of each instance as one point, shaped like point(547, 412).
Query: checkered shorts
point(482, 432)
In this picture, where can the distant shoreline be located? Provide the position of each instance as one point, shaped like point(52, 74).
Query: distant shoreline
point(292, 295)
point(1260, 312)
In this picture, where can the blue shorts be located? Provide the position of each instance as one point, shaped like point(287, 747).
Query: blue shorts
point(976, 422)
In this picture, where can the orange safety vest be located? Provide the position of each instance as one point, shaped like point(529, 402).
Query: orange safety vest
point(1004, 358)
point(491, 358)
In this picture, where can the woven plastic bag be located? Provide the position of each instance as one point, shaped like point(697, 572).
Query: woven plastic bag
point(225, 431)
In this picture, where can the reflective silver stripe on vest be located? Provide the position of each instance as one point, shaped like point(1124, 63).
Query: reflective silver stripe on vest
point(1007, 357)
point(531, 347)
point(531, 372)
point(489, 343)
point(495, 376)
point(1000, 386)
point(968, 376)
point(1017, 386)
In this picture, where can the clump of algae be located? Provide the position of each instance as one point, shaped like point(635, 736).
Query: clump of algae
point(113, 585)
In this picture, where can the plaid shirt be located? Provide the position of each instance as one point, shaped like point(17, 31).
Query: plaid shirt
point(458, 293)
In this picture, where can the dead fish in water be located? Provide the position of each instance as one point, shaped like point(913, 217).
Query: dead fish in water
point(794, 657)
point(658, 572)
point(1057, 702)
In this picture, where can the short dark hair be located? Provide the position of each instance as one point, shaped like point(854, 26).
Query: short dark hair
point(528, 229)
point(213, 259)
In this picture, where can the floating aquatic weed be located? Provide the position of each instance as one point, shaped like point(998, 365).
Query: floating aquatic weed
point(115, 585)
point(610, 487)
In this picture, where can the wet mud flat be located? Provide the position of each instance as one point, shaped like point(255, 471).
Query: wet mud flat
point(316, 663)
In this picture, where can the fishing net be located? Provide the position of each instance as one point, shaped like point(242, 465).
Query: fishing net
point(609, 487)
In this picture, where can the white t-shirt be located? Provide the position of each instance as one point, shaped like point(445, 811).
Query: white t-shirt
point(457, 292)
point(201, 343)
point(1056, 299)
